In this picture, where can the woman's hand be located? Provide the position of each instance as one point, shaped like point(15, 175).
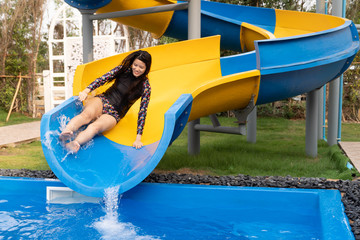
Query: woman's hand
point(83, 94)
point(138, 144)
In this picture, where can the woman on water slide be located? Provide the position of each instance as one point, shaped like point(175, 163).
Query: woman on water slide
point(105, 110)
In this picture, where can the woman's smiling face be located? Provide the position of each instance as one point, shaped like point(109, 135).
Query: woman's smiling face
point(138, 67)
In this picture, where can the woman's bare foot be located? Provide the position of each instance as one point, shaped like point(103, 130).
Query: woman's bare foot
point(66, 135)
point(73, 146)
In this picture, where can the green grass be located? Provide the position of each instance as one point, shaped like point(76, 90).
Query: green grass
point(279, 151)
point(15, 118)
point(28, 156)
point(350, 132)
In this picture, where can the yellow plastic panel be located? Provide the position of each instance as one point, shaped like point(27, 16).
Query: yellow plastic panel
point(250, 33)
point(225, 93)
point(167, 86)
point(163, 56)
point(188, 67)
point(177, 68)
point(291, 23)
point(159, 21)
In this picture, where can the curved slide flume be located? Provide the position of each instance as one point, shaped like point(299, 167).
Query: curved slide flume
point(290, 52)
point(185, 86)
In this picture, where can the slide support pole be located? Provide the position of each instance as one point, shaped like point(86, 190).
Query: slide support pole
point(311, 132)
point(334, 91)
point(88, 40)
point(320, 8)
point(194, 31)
point(251, 126)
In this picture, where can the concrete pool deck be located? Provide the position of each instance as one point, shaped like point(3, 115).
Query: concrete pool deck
point(19, 133)
point(352, 151)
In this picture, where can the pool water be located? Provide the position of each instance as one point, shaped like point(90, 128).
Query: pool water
point(172, 211)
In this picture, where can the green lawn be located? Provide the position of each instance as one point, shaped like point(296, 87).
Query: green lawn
point(279, 151)
point(28, 156)
point(15, 118)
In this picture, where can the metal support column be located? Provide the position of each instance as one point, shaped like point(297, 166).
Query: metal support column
point(333, 111)
point(334, 91)
point(251, 126)
point(87, 30)
point(320, 8)
point(321, 113)
point(312, 106)
point(194, 31)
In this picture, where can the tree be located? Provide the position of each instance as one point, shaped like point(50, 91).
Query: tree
point(20, 35)
point(10, 13)
point(279, 4)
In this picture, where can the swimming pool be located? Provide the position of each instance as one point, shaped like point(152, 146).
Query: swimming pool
point(174, 211)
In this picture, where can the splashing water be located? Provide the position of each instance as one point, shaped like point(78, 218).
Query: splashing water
point(63, 121)
point(79, 103)
point(87, 145)
point(48, 138)
point(109, 226)
point(67, 154)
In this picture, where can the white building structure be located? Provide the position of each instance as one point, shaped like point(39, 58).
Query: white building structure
point(65, 51)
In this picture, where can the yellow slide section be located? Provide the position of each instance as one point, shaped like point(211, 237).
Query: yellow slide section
point(288, 23)
point(187, 67)
point(159, 21)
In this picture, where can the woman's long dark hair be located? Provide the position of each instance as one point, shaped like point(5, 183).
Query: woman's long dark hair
point(143, 56)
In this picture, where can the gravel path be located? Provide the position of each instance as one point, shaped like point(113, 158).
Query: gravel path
point(350, 190)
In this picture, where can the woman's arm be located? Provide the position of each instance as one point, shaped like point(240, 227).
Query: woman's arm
point(83, 94)
point(145, 99)
point(138, 144)
point(99, 82)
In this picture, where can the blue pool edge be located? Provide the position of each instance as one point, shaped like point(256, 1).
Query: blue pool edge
point(334, 221)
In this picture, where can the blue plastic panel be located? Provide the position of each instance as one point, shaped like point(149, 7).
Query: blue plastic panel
point(238, 63)
point(282, 85)
point(222, 19)
point(87, 4)
point(311, 50)
point(303, 63)
point(104, 163)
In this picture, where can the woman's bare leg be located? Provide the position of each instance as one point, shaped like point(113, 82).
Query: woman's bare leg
point(92, 110)
point(103, 123)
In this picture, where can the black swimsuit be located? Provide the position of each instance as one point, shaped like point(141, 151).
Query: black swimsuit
point(124, 92)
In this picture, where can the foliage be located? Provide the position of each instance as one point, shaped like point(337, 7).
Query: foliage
point(280, 4)
point(139, 38)
point(288, 109)
point(353, 10)
point(351, 95)
point(7, 91)
point(21, 40)
point(351, 91)
point(166, 40)
point(16, 118)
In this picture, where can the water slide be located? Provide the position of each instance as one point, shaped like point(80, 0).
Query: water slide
point(281, 54)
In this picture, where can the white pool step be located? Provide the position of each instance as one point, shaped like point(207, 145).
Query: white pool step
point(65, 195)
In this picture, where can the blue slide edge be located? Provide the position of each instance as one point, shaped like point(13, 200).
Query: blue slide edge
point(92, 170)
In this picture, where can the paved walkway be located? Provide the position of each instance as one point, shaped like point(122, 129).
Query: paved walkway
point(352, 150)
point(19, 133)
